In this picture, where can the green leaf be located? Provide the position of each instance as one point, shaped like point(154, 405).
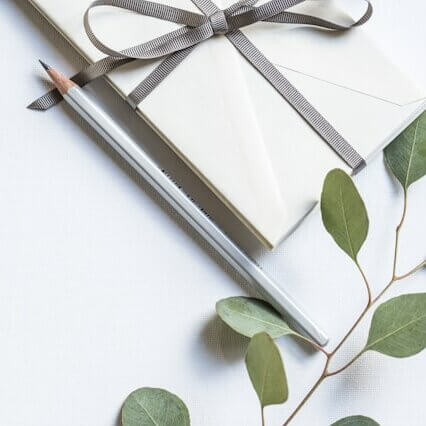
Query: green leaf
point(398, 327)
point(266, 370)
point(356, 421)
point(154, 407)
point(343, 212)
point(249, 316)
point(406, 155)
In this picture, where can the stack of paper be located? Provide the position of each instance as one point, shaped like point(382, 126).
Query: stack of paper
point(233, 129)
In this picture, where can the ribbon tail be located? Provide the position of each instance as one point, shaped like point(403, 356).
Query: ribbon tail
point(157, 76)
point(48, 100)
point(307, 111)
point(96, 70)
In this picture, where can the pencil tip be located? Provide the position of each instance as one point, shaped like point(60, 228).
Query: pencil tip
point(44, 65)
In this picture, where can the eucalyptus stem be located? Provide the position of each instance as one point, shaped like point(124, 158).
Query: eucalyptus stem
point(397, 232)
point(421, 265)
point(354, 326)
point(309, 394)
point(262, 410)
point(383, 291)
point(313, 344)
point(333, 373)
point(364, 278)
point(330, 355)
point(370, 302)
point(361, 316)
point(417, 268)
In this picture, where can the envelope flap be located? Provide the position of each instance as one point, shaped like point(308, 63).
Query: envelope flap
point(348, 59)
point(203, 109)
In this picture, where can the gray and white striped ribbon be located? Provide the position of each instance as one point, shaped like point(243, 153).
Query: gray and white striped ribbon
point(196, 28)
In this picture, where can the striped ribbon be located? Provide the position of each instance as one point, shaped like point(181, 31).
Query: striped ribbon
point(195, 28)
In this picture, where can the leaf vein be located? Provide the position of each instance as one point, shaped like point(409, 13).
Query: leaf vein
point(411, 155)
point(345, 222)
point(264, 377)
point(265, 322)
point(394, 331)
point(147, 413)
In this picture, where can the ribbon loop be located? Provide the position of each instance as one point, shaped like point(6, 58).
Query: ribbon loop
point(196, 28)
point(219, 23)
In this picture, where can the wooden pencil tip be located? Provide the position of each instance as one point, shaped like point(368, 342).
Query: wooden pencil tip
point(44, 65)
point(62, 83)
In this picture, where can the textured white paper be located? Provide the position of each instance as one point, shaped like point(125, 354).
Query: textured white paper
point(103, 291)
point(225, 120)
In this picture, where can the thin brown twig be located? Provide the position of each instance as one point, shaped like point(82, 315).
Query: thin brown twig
point(417, 268)
point(309, 394)
point(367, 307)
point(411, 272)
point(421, 265)
point(364, 278)
point(397, 231)
point(325, 374)
point(382, 292)
point(329, 356)
point(313, 344)
point(333, 373)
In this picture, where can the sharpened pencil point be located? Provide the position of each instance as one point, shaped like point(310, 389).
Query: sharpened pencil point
point(44, 65)
point(62, 83)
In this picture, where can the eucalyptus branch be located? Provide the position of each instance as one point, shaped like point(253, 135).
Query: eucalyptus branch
point(417, 268)
point(383, 291)
point(396, 326)
point(333, 373)
point(309, 394)
point(364, 278)
point(313, 344)
point(370, 302)
point(325, 374)
point(361, 316)
point(397, 232)
point(354, 326)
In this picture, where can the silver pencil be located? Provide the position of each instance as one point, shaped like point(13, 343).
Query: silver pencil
point(154, 175)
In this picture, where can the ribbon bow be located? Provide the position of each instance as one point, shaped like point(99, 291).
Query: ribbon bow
point(197, 28)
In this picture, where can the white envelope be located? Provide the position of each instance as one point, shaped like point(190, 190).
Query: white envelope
point(233, 129)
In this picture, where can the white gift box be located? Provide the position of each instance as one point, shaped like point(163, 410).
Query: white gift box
point(233, 129)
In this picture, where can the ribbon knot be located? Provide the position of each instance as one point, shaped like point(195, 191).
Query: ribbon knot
point(219, 22)
point(197, 28)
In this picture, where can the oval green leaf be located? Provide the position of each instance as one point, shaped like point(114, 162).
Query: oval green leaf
point(406, 155)
point(154, 407)
point(266, 370)
point(249, 316)
point(343, 212)
point(356, 421)
point(398, 327)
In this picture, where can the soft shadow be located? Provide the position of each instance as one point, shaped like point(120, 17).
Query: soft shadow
point(118, 419)
point(222, 342)
point(356, 377)
point(42, 26)
point(299, 345)
point(153, 195)
point(227, 345)
point(156, 148)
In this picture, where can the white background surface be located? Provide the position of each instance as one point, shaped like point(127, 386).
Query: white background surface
point(104, 290)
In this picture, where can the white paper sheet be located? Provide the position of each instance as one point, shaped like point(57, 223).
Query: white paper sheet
point(231, 127)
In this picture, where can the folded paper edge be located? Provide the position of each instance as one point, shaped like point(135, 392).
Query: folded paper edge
point(269, 244)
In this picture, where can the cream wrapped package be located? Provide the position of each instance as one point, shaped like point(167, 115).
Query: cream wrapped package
point(219, 114)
